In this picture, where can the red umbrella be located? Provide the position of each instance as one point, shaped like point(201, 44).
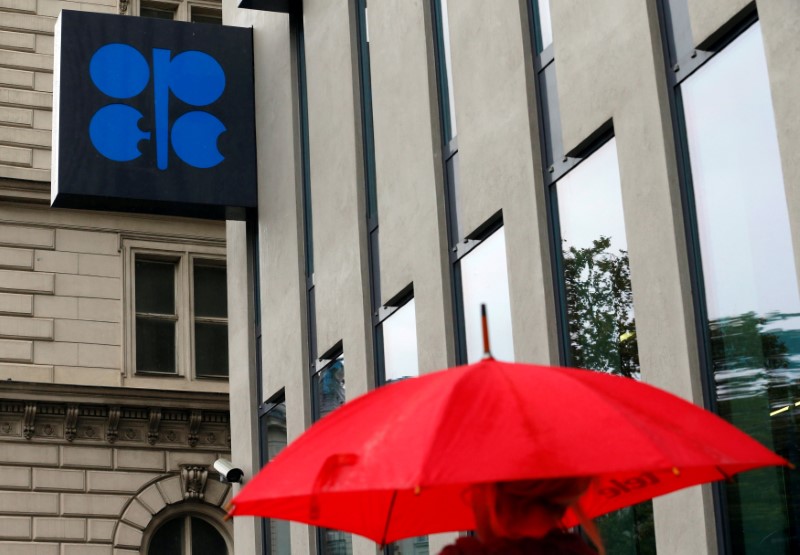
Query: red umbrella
point(398, 461)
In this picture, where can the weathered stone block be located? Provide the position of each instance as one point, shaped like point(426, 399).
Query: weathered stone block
point(55, 352)
point(81, 331)
point(90, 457)
point(63, 480)
point(15, 477)
point(85, 549)
point(23, 236)
point(20, 548)
point(24, 502)
point(15, 528)
point(138, 459)
point(26, 328)
point(16, 351)
point(100, 310)
point(128, 536)
point(31, 454)
point(19, 5)
point(98, 356)
point(215, 492)
point(11, 303)
point(55, 261)
point(80, 504)
point(152, 499)
point(26, 372)
point(118, 482)
point(100, 265)
point(91, 242)
point(137, 515)
point(58, 529)
point(47, 306)
point(15, 281)
point(87, 286)
point(101, 530)
point(171, 490)
point(18, 259)
point(176, 458)
point(79, 375)
point(17, 41)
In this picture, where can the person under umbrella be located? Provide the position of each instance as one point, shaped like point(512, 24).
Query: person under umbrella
point(523, 517)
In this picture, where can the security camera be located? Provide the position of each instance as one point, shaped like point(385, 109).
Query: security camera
point(228, 472)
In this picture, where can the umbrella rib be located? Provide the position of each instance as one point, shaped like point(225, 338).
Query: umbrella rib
point(388, 518)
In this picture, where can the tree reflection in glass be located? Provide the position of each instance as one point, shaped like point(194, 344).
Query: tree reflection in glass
point(752, 300)
point(599, 305)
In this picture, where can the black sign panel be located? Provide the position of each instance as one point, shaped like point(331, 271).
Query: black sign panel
point(153, 116)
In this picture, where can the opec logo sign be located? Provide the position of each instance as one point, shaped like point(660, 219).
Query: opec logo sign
point(153, 116)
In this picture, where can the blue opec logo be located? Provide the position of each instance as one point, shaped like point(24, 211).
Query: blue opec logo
point(121, 72)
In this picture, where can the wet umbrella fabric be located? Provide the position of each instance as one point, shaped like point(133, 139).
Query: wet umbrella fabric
point(398, 461)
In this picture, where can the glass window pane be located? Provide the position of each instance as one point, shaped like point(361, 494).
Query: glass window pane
point(273, 440)
point(596, 272)
point(752, 299)
point(484, 280)
point(599, 304)
point(155, 286)
point(400, 343)
point(211, 349)
point(168, 538)
point(155, 345)
point(329, 388)
point(206, 540)
point(206, 15)
point(210, 291)
point(450, 120)
point(158, 11)
point(543, 20)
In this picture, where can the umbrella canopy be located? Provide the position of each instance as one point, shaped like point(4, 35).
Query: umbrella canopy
point(398, 461)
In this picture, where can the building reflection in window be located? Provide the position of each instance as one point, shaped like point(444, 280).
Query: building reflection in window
point(599, 304)
point(329, 394)
point(751, 294)
point(273, 440)
point(484, 280)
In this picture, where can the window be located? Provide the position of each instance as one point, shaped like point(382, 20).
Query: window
point(484, 280)
point(598, 302)
point(751, 292)
point(544, 37)
point(329, 394)
point(177, 311)
point(196, 11)
point(399, 341)
point(273, 439)
point(189, 535)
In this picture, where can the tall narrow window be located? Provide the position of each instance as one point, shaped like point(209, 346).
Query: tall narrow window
point(273, 439)
point(449, 113)
point(400, 343)
point(601, 331)
point(484, 280)
point(156, 316)
point(329, 394)
point(187, 534)
point(210, 320)
point(751, 292)
point(544, 36)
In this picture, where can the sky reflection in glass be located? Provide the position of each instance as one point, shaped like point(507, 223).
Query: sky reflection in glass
point(484, 280)
point(400, 343)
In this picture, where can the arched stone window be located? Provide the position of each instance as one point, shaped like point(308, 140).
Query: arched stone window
point(186, 530)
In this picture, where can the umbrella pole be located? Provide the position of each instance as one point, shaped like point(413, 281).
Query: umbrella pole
point(487, 353)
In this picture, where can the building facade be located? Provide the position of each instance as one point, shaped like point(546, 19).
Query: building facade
point(111, 408)
point(616, 180)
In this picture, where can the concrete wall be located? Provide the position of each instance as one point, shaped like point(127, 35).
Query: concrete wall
point(609, 66)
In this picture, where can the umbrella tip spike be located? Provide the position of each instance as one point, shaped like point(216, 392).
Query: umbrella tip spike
point(487, 351)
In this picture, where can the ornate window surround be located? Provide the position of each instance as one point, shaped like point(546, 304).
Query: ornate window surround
point(184, 9)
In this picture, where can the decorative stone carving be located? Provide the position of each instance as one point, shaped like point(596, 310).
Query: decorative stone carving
point(48, 430)
point(71, 423)
point(112, 426)
point(193, 481)
point(29, 420)
point(6, 428)
point(195, 419)
point(123, 7)
point(153, 425)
